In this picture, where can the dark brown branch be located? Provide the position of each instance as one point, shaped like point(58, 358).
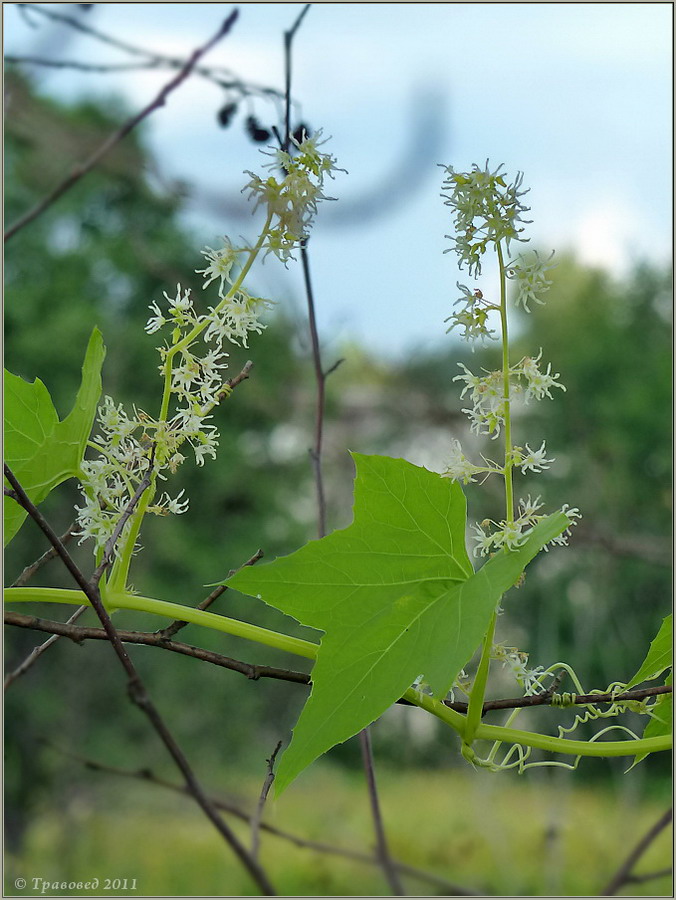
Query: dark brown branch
point(37, 652)
point(80, 170)
point(320, 377)
point(148, 776)
point(623, 875)
point(34, 567)
point(288, 41)
point(649, 876)
point(546, 699)
point(382, 851)
point(79, 633)
point(138, 692)
point(258, 814)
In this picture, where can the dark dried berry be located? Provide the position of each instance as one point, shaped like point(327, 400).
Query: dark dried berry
point(225, 114)
point(302, 132)
point(256, 133)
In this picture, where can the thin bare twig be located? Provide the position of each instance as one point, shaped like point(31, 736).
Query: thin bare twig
point(34, 567)
point(320, 377)
point(80, 170)
point(650, 876)
point(80, 66)
point(288, 41)
point(37, 652)
point(228, 806)
point(545, 699)
point(253, 672)
point(258, 814)
point(382, 851)
point(623, 875)
point(232, 383)
point(138, 693)
point(168, 632)
point(148, 59)
point(333, 367)
point(79, 633)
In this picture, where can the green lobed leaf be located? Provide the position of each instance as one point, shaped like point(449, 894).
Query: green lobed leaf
point(659, 657)
point(40, 450)
point(395, 594)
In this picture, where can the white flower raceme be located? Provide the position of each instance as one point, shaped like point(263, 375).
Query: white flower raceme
point(192, 357)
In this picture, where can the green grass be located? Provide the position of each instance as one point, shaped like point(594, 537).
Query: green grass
point(528, 836)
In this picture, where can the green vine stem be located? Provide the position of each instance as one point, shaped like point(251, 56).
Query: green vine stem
point(308, 650)
point(509, 490)
point(478, 692)
point(166, 609)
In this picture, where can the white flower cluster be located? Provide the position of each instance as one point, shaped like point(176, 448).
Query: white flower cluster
point(530, 279)
point(487, 211)
point(517, 662)
point(291, 200)
point(109, 482)
point(472, 316)
point(508, 534)
point(487, 392)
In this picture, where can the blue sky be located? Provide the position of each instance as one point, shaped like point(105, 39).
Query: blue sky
point(577, 95)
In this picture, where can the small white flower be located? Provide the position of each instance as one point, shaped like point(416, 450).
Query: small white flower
point(207, 446)
point(529, 509)
point(220, 264)
point(534, 460)
point(573, 514)
point(485, 542)
point(175, 461)
point(187, 421)
point(459, 467)
point(181, 301)
point(157, 321)
point(177, 506)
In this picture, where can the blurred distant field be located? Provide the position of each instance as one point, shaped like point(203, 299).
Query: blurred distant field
point(542, 834)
